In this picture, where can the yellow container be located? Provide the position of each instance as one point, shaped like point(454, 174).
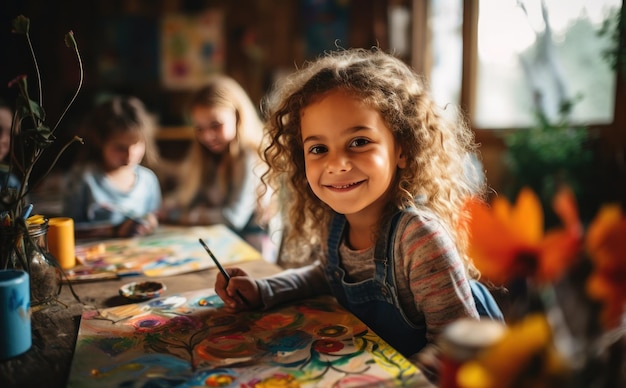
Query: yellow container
point(61, 241)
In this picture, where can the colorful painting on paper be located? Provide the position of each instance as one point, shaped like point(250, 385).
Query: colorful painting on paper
point(188, 340)
point(170, 251)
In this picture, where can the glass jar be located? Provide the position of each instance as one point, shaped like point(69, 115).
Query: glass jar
point(45, 276)
point(24, 246)
point(461, 341)
point(29, 252)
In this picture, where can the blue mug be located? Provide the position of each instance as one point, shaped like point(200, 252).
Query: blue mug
point(15, 328)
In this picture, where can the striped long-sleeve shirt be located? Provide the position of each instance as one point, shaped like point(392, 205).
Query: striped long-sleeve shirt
point(432, 285)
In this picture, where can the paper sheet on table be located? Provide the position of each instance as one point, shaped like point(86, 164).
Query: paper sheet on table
point(189, 340)
point(170, 251)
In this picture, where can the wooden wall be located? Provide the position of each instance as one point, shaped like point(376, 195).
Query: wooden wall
point(263, 38)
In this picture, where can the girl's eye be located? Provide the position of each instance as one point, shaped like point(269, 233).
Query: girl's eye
point(212, 126)
point(318, 149)
point(359, 142)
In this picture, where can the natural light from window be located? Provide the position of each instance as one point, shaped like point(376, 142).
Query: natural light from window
point(446, 23)
point(530, 61)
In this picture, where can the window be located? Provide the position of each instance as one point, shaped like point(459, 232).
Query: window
point(446, 24)
point(522, 57)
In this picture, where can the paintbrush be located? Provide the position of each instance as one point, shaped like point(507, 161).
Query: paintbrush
point(223, 271)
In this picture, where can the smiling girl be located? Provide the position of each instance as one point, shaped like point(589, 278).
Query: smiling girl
point(375, 181)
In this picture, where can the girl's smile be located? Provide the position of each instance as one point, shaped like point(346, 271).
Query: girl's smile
point(345, 187)
point(350, 154)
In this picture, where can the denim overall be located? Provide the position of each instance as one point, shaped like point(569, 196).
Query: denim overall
point(375, 301)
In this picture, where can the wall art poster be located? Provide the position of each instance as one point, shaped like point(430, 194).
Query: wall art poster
point(192, 49)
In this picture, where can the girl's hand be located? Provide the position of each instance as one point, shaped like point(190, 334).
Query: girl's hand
point(149, 225)
point(125, 229)
point(130, 228)
point(240, 284)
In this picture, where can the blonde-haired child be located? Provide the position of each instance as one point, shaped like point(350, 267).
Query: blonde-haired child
point(218, 182)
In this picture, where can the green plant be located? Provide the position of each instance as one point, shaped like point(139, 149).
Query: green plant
point(31, 138)
point(549, 155)
point(615, 28)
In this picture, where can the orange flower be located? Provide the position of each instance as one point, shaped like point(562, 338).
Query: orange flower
point(508, 242)
point(606, 245)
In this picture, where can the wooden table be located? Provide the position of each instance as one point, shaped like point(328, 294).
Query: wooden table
point(55, 327)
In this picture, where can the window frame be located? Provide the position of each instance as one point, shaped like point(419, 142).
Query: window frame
point(613, 134)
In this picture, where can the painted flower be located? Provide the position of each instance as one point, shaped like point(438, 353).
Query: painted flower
point(277, 380)
point(183, 324)
point(606, 246)
point(332, 331)
point(148, 323)
point(327, 346)
point(219, 380)
point(523, 357)
point(279, 321)
point(286, 341)
point(508, 241)
point(227, 346)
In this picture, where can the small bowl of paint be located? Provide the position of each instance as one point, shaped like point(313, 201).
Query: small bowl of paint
point(142, 290)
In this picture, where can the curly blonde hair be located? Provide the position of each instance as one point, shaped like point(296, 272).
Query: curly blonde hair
point(436, 148)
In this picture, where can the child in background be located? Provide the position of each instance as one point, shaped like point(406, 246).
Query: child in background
point(7, 178)
point(375, 180)
point(218, 182)
point(109, 194)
